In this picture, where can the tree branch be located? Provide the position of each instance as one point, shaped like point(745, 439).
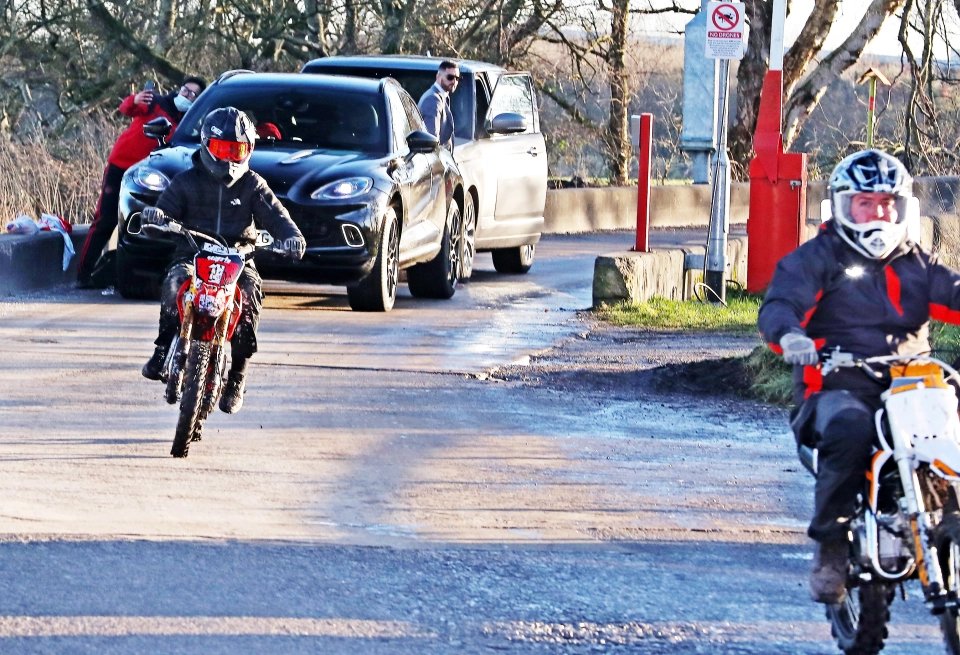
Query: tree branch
point(808, 94)
point(118, 33)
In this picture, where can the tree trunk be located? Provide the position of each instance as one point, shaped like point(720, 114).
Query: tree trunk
point(618, 133)
point(166, 23)
point(809, 44)
point(395, 16)
point(316, 25)
point(808, 94)
point(750, 74)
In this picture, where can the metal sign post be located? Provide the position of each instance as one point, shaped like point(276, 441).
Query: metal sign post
point(726, 40)
point(872, 76)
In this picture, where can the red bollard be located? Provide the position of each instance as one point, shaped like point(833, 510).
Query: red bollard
point(643, 183)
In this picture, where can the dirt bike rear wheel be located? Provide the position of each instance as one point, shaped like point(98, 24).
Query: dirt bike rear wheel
point(947, 539)
point(859, 623)
point(194, 385)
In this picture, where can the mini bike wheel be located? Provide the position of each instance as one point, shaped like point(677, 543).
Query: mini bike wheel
point(947, 536)
point(859, 623)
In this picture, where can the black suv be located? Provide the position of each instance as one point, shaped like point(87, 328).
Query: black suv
point(350, 159)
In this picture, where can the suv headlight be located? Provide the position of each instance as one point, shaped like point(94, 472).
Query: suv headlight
point(150, 178)
point(346, 188)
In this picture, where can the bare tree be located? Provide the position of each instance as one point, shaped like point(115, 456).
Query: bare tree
point(807, 94)
point(929, 138)
point(618, 126)
point(750, 74)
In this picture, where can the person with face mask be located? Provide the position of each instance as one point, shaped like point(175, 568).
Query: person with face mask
point(131, 146)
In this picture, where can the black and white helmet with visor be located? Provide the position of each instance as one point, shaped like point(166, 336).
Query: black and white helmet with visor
point(870, 198)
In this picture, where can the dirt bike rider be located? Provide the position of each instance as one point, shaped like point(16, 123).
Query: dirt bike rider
point(220, 194)
point(861, 284)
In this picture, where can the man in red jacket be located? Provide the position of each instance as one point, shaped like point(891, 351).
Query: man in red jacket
point(864, 286)
point(131, 146)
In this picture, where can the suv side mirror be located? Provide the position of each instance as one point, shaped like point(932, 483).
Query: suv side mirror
point(507, 123)
point(159, 128)
point(419, 141)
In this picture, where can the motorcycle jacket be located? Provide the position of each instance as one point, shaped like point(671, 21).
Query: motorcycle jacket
point(133, 145)
point(198, 200)
point(840, 298)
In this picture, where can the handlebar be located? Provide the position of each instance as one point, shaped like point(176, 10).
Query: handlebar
point(837, 359)
point(264, 240)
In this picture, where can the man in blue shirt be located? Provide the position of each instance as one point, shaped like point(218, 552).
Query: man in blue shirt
point(435, 103)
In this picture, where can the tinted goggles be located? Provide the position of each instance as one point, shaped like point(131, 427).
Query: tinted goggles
point(235, 151)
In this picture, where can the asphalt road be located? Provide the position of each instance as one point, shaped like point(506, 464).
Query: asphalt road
point(383, 492)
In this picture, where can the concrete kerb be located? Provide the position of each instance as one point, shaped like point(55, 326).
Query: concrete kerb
point(30, 263)
point(671, 273)
point(667, 272)
point(35, 262)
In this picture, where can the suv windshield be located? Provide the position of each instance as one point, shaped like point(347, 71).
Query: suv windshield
point(415, 82)
point(306, 117)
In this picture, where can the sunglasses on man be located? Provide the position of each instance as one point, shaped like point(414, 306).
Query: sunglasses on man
point(451, 78)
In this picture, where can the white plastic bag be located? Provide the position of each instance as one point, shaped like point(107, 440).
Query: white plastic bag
point(22, 224)
point(57, 224)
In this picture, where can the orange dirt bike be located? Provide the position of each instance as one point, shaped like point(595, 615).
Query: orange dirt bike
point(209, 304)
point(907, 524)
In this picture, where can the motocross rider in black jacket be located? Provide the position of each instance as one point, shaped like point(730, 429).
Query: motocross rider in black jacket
point(220, 194)
point(863, 285)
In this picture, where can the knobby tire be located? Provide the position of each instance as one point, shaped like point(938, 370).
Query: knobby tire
point(214, 382)
point(194, 386)
point(859, 624)
point(948, 549)
point(175, 374)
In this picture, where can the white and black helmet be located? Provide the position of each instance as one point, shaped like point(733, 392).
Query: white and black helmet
point(871, 171)
point(227, 137)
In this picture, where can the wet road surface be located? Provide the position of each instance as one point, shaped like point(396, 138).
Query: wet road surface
point(381, 493)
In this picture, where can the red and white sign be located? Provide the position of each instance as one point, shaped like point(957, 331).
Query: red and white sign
point(726, 30)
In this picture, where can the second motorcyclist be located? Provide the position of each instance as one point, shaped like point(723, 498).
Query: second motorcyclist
point(863, 285)
point(219, 194)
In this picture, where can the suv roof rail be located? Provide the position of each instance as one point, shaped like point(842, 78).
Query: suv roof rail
point(228, 74)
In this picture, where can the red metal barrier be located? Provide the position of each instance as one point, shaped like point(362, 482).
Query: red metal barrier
point(778, 190)
point(643, 183)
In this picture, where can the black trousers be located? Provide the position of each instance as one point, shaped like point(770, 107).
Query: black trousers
point(105, 219)
point(840, 424)
point(244, 341)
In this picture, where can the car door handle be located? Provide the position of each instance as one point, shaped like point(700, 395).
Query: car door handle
point(533, 152)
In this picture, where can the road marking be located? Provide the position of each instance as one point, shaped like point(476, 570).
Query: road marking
point(119, 626)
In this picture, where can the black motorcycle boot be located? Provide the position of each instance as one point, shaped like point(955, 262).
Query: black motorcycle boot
point(232, 398)
point(828, 579)
point(153, 369)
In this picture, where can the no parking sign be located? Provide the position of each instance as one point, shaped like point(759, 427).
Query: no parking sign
point(726, 30)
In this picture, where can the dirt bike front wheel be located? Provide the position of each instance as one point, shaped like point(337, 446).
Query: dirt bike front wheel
point(194, 386)
point(178, 356)
point(859, 623)
point(947, 538)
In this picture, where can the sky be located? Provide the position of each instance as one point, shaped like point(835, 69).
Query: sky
point(851, 12)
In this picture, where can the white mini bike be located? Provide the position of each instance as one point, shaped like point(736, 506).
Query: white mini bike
point(907, 524)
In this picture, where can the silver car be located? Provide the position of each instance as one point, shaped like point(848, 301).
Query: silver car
point(498, 147)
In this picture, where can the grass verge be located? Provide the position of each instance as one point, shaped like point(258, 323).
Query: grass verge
point(769, 377)
point(739, 314)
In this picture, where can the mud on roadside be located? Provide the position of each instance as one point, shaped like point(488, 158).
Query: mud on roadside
point(619, 362)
